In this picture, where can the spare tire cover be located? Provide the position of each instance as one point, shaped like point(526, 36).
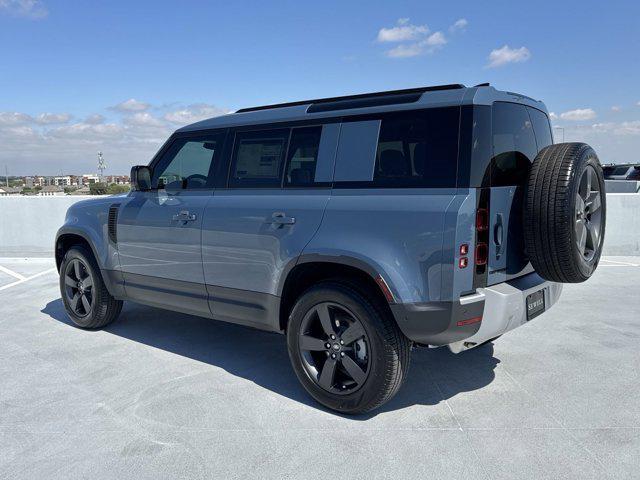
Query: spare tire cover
point(565, 212)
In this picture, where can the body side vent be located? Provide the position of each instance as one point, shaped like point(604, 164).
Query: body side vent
point(113, 222)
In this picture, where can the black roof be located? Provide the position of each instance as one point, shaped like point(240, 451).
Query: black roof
point(392, 96)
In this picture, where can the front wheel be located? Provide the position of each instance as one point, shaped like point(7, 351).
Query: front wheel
point(345, 348)
point(84, 294)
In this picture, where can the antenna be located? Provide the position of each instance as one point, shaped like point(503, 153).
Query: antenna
point(101, 167)
point(6, 175)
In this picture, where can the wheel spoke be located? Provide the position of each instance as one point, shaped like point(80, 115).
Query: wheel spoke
point(589, 179)
point(76, 269)
point(85, 304)
point(74, 301)
point(325, 318)
point(311, 343)
point(70, 282)
point(594, 235)
point(353, 333)
point(594, 202)
point(328, 372)
point(88, 282)
point(581, 235)
point(353, 369)
point(579, 204)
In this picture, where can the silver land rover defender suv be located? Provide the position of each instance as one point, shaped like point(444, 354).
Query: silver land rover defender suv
point(358, 226)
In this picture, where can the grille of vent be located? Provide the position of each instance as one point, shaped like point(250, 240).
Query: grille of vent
point(113, 222)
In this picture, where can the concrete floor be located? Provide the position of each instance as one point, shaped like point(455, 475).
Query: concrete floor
point(165, 395)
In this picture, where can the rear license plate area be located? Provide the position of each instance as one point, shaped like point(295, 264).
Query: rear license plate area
point(535, 304)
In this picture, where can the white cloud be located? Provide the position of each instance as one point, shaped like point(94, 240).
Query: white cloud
point(436, 39)
point(405, 51)
point(553, 116)
point(94, 119)
point(51, 118)
point(631, 128)
point(459, 25)
point(506, 54)
point(143, 119)
point(615, 108)
point(14, 118)
point(638, 104)
point(579, 114)
point(131, 105)
point(34, 9)
point(193, 113)
point(430, 44)
point(38, 145)
point(402, 32)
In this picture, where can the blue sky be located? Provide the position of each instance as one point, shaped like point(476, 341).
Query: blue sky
point(77, 77)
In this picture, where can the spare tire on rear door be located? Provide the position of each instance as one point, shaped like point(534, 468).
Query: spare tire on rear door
point(564, 212)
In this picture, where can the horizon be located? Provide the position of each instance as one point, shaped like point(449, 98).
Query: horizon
point(121, 77)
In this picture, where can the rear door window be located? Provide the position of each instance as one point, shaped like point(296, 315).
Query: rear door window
point(514, 144)
point(258, 158)
point(302, 156)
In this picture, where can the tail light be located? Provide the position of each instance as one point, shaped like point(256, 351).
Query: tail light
point(481, 254)
point(482, 220)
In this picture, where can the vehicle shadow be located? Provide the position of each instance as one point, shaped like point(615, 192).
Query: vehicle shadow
point(261, 357)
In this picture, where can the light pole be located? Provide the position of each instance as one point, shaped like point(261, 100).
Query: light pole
point(561, 128)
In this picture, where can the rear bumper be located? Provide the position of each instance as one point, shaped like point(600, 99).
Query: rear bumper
point(500, 307)
point(505, 307)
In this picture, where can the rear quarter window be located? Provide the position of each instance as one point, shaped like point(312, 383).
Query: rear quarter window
point(417, 148)
point(514, 144)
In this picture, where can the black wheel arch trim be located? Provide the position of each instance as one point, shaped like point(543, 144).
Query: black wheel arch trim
point(112, 278)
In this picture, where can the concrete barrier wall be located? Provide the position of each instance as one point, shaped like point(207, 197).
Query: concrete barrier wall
point(622, 235)
point(28, 224)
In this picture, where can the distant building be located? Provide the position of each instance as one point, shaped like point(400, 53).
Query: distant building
point(117, 179)
point(10, 191)
point(89, 178)
point(50, 191)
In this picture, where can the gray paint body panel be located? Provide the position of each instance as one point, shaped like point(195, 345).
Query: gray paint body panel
point(355, 159)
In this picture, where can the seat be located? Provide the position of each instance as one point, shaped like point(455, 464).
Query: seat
point(393, 163)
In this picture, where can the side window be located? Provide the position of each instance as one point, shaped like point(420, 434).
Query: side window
point(258, 157)
point(514, 144)
point(188, 163)
point(418, 149)
point(303, 156)
point(541, 127)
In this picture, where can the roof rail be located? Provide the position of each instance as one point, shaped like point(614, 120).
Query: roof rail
point(388, 93)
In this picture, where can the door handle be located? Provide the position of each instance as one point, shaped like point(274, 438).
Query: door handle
point(279, 218)
point(184, 216)
point(498, 233)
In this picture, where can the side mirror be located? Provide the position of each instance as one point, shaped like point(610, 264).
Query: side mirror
point(140, 178)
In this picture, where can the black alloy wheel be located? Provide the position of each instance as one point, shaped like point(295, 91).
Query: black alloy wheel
point(334, 348)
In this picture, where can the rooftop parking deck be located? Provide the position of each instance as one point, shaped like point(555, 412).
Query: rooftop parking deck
point(164, 395)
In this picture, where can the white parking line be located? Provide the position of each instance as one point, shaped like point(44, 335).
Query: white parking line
point(617, 263)
point(12, 273)
point(26, 279)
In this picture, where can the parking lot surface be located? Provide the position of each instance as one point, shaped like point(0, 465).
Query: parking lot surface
point(164, 395)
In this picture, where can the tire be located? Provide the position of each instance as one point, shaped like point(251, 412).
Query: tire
point(381, 351)
point(565, 213)
point(80, 277)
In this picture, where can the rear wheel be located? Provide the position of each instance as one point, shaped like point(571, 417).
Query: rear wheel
point(345, 349)
point(84, 294)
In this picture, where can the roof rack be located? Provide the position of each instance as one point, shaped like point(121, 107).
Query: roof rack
point(390, 93)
